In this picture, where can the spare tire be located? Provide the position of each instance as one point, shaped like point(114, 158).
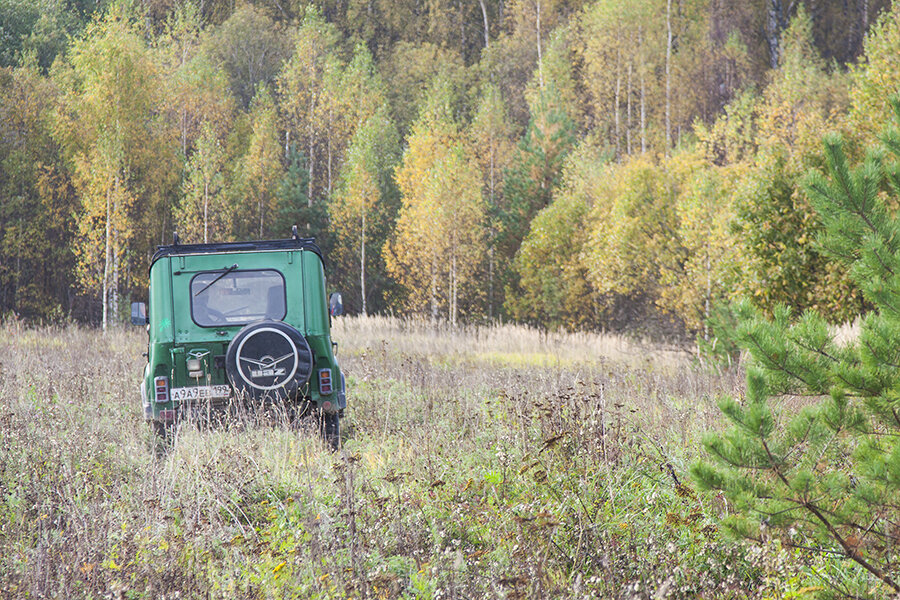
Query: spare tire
point(268, 360)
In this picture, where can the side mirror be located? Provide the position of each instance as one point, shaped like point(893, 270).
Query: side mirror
point(138, 313)
point(336, 304)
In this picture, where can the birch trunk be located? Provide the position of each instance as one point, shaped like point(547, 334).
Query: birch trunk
point(362, 264)
point(261, 203)
point(106, 259)
point(312, 167)
point(205, 208)
point(453, 288)
point(628, 110)
point(114, 288)
point(864, 21)
point(617, 102)
point(311, 158)
point(491, 279)
point(487, 37)
point(643, 96)
point(434, 303)
point(777, 17)
point(668, 76)
point(491, 186)
point(540, 56)
point(114, 254)
point(773, 31)
point(330, 135)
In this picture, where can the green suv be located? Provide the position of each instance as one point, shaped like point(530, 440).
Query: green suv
point(237, 324)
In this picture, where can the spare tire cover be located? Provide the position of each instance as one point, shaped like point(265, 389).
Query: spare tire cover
point(268, 360)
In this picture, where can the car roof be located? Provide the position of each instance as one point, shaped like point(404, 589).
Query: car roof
point(295, 243)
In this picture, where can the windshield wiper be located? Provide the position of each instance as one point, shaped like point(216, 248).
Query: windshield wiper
point(224, 273)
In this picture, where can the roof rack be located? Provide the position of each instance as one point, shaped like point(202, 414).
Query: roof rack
point(294, 243)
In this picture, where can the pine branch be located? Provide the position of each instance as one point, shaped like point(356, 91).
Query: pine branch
point(779, 365)
point(849, 550)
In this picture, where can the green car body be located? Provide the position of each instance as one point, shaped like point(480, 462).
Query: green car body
point(239, 321)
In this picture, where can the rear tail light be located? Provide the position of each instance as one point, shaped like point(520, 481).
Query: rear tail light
point(161, 389)
point(325, 381)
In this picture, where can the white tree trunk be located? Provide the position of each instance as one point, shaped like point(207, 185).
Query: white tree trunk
point(330, 152)
point(114, 253)
point(310, 134)
point(434, 303)
point(362, 264)
point(453, 287)
point(668, 76)
point(205, 208)
point(617, 102)
point(260, 216)
point(628, 110)
point(539, 53)
point(487, 36)
point(643, 115)
point(106, 260)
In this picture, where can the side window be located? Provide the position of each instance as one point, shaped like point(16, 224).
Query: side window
point(221, 298)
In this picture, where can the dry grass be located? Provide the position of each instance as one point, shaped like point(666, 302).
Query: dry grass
point(481, 463)
point(511, 345)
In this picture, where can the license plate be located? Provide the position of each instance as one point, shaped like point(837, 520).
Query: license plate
point(201, 392)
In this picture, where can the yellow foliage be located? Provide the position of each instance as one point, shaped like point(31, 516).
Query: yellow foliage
point(439, 242)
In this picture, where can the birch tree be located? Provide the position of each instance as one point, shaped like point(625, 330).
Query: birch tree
point(107, 110)
point(363, 204)
point(262, 167)
point(439, 239)
point(303, 92)
point(204, 214)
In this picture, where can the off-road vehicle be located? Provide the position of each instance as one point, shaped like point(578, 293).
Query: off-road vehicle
point(244, 323)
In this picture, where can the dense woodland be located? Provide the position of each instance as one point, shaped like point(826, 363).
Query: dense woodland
point(564, 163)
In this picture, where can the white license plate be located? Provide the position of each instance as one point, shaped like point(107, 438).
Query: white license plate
point(201, 392)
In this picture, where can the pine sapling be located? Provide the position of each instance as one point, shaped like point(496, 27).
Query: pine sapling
point(826, 478)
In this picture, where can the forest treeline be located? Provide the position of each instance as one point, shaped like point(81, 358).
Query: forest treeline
point(564, 163)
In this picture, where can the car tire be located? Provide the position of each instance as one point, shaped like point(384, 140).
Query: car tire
point(330, 426)
point(269, 360)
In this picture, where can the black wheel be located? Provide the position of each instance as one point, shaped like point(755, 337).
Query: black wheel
point(330, 426)
point(162, 437)
point(269, 360)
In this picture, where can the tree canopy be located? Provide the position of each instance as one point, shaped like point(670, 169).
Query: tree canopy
point(581, 164)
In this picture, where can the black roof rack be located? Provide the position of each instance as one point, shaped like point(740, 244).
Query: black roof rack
point(296, 243)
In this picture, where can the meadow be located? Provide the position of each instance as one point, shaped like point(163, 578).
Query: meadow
point(479, 462)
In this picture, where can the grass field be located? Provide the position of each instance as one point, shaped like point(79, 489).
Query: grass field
point(477, 463)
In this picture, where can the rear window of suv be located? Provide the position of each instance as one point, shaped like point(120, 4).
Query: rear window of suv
point(237, 297)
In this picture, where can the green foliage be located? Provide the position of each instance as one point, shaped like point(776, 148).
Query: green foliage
point(250, 48)
point(261, 167)
point(363, 212)
point(40, 28)
point(825, 473)
point(775, 219)
point(411, 69)
point(535, 169)
point(293, 205)
point(717, 345)
point(552, 280)
point(876, 78)
point(632, 229)
point(36, 211)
